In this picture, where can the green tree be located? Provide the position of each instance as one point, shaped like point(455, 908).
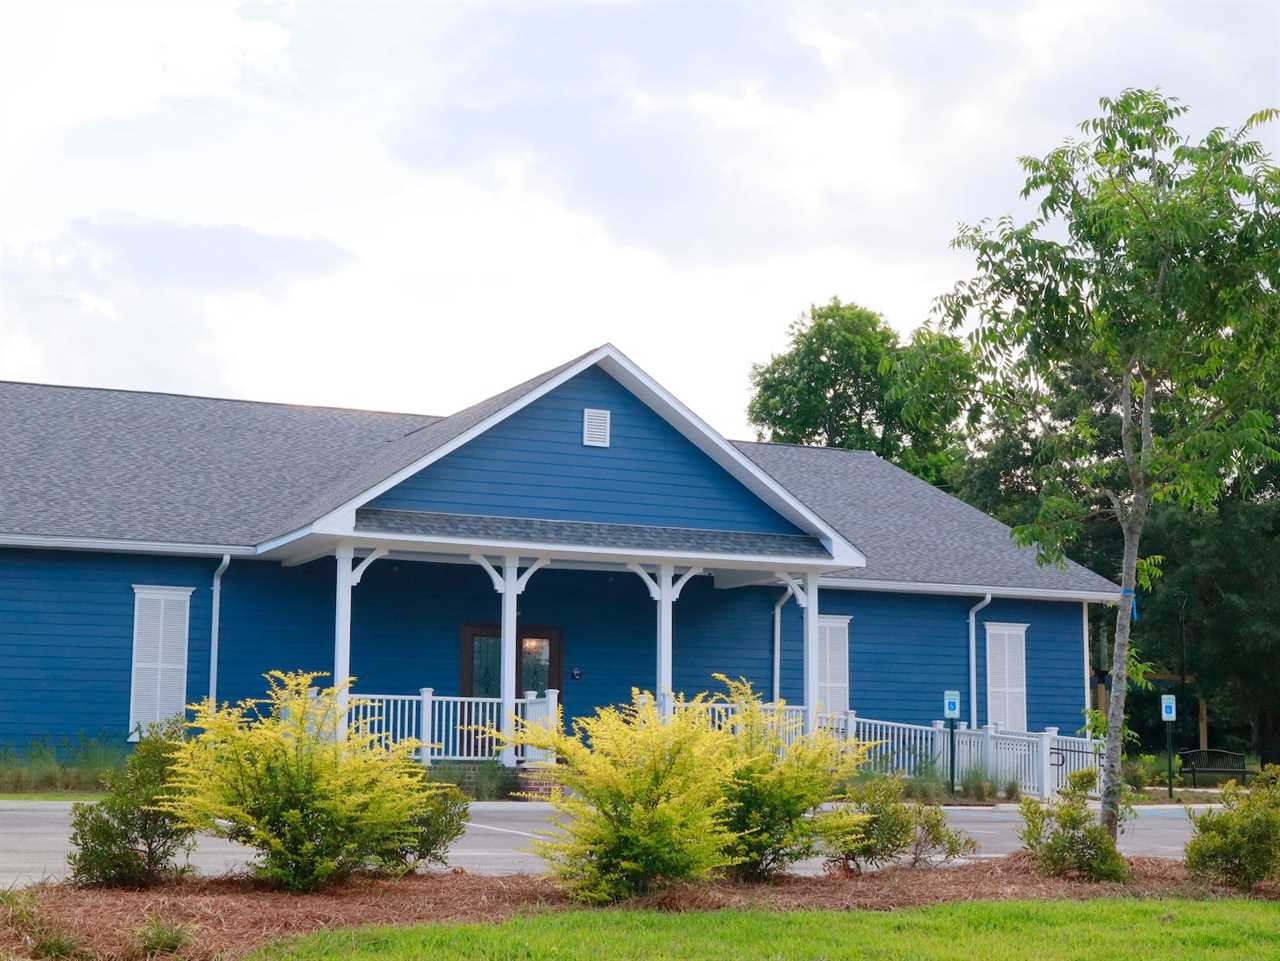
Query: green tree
point(1150, 270)
point(846, 381)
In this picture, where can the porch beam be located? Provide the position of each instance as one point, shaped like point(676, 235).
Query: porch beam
point(342, 631)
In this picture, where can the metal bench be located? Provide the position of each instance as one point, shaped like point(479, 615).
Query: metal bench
point(1214, 761)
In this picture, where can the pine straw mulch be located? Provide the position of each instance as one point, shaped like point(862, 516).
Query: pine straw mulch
point(230, 917)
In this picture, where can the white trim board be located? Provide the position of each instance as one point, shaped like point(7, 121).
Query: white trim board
point(341, 519)
point(122, 546)
point(925, 587)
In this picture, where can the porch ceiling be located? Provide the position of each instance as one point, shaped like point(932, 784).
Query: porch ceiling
point(621, 537)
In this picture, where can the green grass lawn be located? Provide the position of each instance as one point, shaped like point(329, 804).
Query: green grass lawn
point(1035, 931)
point(51, 795)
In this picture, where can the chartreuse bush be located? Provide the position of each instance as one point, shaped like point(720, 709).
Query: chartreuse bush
point(1065, 838)
point(1240, 843)
point(774, 787)
point(274, 774)
point(643, 797)
point(126, 839)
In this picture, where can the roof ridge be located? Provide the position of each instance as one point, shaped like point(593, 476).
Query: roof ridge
point(210, 397)
point(831, 447)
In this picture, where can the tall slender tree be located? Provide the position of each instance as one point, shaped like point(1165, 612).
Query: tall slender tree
point(1149, 278)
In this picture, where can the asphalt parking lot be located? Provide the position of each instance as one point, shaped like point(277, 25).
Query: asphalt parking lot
point(34, 838)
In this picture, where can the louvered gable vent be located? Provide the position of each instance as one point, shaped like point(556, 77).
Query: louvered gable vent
point(595, 427)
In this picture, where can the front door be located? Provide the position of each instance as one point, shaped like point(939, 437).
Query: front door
point(537, 660)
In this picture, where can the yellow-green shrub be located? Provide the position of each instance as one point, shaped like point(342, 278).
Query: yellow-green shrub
point(872, 828)
point(775, 787)
point(276, 775)
point(642, 797)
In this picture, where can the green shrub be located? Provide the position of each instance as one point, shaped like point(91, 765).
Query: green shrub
point(933, 841)
point(126, 839)
point(642, 797)
point(1012, 790)
point(277, 775)
point(159, 936)
point(874, 827)
point(774, 786)
point(1065, 839)
point(439, 821)
point(1135, 774)
point(1239, 845)
point(478, 780)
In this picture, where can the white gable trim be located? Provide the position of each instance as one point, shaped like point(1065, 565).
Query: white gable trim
point(341, 520)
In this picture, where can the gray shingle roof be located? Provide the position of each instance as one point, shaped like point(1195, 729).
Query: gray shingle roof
point(910, 530)
point(126, 465)
point(533, 531)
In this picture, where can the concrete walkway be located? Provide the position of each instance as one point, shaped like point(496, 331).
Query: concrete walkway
point(34, 838)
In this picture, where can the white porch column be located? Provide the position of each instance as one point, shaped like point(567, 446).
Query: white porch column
point(811, 652)
point(342, 630)
point(663, 684)
point(510, 594)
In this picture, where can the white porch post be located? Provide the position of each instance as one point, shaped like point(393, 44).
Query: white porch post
point(811, 652)
point(342, 631)
point(663, 689)
point(510, 594)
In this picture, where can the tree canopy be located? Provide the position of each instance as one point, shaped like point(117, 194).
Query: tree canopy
point(846, 381)
point(1133, 324)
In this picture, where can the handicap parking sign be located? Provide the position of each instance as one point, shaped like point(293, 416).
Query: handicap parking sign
point(1168, 707)
point(950, 704)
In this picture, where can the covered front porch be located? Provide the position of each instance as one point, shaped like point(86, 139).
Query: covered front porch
point(446, 645)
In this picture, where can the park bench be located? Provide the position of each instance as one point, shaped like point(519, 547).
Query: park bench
point(1214, 761)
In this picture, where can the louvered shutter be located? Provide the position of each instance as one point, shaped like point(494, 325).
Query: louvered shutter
point(833, 663)
point(1007, 676)
point(160, 630)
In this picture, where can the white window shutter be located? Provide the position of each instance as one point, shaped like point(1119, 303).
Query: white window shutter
point(1007, 676)
point(833, 663)
point(595, 427)
point(158, 690)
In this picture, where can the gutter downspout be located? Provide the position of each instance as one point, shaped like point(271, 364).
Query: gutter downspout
point(214, 615)
point(777, 643)
point(973, 658)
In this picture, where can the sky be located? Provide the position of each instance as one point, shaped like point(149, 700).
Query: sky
point(412, 206)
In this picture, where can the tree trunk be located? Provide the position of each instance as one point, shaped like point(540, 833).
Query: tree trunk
point(1112, 784)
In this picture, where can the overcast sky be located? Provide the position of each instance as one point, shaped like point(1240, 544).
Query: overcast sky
point(411, 206)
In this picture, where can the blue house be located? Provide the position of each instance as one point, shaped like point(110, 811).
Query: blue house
point(582, 533)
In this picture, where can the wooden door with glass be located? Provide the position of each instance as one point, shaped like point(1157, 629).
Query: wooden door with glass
point(538, 657)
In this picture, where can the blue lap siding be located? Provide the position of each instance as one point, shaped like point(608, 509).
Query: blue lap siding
point(534, 464)
point(66, 627)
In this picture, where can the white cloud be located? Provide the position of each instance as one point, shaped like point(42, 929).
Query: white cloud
point(411, 206)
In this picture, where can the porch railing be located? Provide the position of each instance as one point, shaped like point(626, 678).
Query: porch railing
point(456, 729)
point(452, 728)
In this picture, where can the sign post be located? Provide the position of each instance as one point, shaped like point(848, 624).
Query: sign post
point(1169, 714)
point(951, 711)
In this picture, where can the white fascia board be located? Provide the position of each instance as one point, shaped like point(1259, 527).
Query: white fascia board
point(693, 428)
point(1024, 593)
point(699, 433)
point(459, 545)
point(122, 546)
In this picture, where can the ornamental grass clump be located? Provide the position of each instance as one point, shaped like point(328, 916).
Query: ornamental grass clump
point(275, 774)
point(1239, 844)
point(775, 787)
point(642, 797)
